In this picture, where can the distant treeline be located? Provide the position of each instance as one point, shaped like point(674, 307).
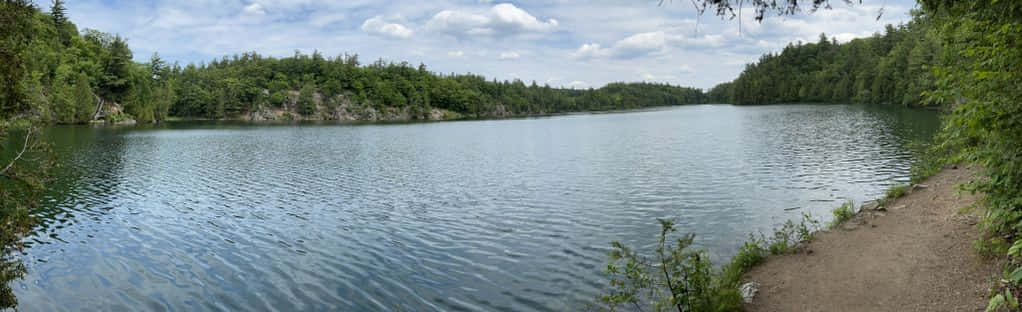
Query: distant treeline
point(251, 82)
point(889, 68)
point(69, 73)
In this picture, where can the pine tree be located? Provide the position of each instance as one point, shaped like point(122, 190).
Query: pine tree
point(60, 21)
point(58, 13)
point(157, 67)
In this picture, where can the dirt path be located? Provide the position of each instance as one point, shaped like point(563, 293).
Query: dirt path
point(916, 256)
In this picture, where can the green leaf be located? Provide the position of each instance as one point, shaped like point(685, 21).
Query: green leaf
point(995, 303)
point(1011, 300)
point(1015, 248)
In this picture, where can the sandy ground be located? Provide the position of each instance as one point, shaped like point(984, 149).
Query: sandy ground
point(916, 256)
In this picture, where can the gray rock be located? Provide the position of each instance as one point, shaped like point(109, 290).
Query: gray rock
point(919, 187)
point(749, 291)
point(871, 205)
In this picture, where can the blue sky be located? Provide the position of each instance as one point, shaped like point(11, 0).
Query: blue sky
point(563, 43)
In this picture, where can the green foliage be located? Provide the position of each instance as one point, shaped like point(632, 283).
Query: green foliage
point(677, 278)
point(842, 214)
point(751, 253)
point(399, 85)
point(16, 34)
point(786, 238)
point(307, 99)
point(979, 78)
point(24, 169)
point(929, 159)
point(84, 100)
point(890, 68)
point(894, 193)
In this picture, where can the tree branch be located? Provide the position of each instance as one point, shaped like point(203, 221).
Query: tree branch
point(24, 147)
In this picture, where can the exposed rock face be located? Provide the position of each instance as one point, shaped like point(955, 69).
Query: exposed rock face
point(343, 108)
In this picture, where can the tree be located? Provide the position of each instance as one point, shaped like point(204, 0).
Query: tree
point(57, 11)
point(22, 178)
point(63, 95)
point(306, 99)
point(157, 67)
point(84, 99)
point(15, 34)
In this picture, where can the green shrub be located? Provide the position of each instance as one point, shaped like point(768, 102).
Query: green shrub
point(677, 277)
point(842, 214)
point(680, 278)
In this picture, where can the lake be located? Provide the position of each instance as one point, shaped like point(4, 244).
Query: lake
point(494, 215)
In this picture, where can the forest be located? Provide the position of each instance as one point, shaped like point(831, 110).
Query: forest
point(70, 75)
point(893, 67)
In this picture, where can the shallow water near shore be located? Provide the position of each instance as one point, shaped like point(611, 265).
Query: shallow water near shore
point(472, 215)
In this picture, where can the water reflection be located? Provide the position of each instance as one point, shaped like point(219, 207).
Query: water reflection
point(479, 215)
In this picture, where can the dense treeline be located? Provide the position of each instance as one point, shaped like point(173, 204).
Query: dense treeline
point(75, 77)
point(889, 68)
point(251, 82)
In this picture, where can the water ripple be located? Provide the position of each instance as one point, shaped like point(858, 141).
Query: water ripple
point(511, 215)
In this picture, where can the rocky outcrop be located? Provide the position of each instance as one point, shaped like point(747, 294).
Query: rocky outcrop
point(343, 108)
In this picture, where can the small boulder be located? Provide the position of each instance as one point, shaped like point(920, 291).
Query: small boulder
point(918, 187)
point(749, 291)
point(872, 205)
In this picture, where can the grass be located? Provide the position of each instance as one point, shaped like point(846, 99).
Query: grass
point(842, 214)
point(893, 193)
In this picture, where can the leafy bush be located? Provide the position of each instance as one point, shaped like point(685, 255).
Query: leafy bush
point(979, 77)
point(678, 278)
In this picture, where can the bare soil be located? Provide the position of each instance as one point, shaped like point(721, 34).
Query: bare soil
point(918, 255)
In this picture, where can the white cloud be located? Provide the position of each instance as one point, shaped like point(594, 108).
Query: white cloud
point(254, 9)
point(639, 45)
point(377, 26)
point(504, 19)
point(618, 40)
point(633, 46)
point(588, 50)
point(511, 55)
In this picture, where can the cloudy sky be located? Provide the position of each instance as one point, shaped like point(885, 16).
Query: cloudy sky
point(560, 42)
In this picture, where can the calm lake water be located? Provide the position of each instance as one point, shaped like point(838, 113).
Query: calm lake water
point(475, 215)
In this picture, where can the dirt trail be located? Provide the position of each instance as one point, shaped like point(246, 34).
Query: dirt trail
point(916, 256)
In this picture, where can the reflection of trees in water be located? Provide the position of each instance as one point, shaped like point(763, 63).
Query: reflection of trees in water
point(26, 165)
point(14, 225)
point(25, 205)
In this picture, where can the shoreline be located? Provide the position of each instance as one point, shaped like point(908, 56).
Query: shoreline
point(911, 253)
point(242, 119)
